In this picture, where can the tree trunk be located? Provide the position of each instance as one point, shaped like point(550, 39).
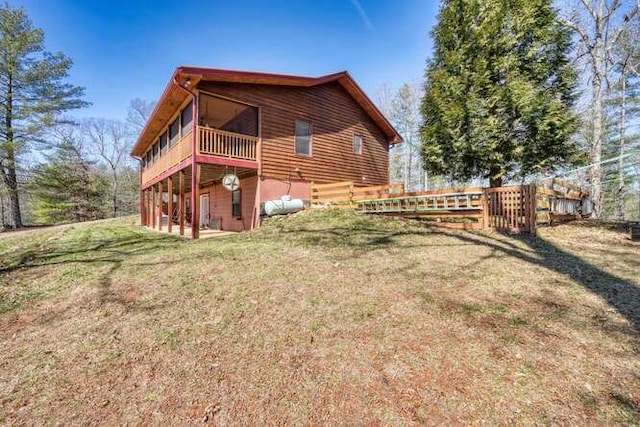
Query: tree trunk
point(9, 175)
point(596, 147)
point(495, 176)
point(407, 179)
point(620, 208)
point(115, 193)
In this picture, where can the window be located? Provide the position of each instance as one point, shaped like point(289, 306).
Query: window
point(148, 158)
point(186, 118)
point(156, 151)
point(236, 203)
point(303, 138)
point(357, 144)
point(163, 143)
point(174, 131)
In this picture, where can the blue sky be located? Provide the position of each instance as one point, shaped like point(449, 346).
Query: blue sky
point(127, 49)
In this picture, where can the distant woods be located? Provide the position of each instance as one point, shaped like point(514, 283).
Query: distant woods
point(79, 170)
point(54, 168)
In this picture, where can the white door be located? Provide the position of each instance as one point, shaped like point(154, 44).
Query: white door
point(204, 210)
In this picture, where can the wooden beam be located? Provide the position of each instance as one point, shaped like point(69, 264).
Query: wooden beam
point(170, 205)
point(182, 165)
point(160, 206)
point(147, 207)
point(181, 201)
point(153, 207)
point(225, 161)
point(142, 218)
point(195, 201)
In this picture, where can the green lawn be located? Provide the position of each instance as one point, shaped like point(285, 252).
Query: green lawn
point(325, 317)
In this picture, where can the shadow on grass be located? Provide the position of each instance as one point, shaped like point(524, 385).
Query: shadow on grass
point(620, 294)
point(85, 250)
point(100, 247)
point(623, 295)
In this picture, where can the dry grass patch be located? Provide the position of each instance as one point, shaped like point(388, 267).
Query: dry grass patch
point(323, 317)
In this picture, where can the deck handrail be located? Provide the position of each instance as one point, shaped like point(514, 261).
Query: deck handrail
point(221, 143)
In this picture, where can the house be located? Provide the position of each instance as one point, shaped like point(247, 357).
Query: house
point(272, 134)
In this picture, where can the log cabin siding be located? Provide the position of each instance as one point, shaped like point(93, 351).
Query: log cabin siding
point(335, 117)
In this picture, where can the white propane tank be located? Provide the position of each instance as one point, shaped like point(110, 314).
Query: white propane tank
point(285, 205)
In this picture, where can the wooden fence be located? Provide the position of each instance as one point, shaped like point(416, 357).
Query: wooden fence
point(345, 194)
point(515, 209)
point(511, 208)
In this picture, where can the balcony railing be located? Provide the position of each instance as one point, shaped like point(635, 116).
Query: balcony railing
point(220, 143)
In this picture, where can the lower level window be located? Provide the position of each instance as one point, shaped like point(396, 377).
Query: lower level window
point(236, 203)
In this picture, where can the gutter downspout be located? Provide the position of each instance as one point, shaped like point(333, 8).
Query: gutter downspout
point(195, 176)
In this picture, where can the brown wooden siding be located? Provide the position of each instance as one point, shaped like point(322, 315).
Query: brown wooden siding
point(335, 118)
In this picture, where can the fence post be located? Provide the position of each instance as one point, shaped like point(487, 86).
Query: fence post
point(485, 209)
point(533, 215)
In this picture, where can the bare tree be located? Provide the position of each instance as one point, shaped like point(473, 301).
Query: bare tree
point(139, 112)
point(110, 140)
point(405, 115)
point(626, 57)
point(598, 25)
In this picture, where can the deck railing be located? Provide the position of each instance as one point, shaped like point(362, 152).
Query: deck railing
point(220, 143)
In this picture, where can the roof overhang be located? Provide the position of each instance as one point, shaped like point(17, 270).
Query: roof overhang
point(184, 78)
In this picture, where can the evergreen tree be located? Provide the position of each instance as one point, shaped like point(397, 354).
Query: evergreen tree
point(68, 189)
point(32, 94)
point(498, 92)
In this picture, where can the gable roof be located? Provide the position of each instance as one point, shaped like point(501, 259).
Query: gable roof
point(186, 76)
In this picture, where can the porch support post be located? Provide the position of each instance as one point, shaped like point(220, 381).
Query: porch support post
point(181, 201)
point(195, 171)
point(160, 205)
point(145, 206)
point(170, 205)
point(195, 201)
point(153, 206)
point(142, 218)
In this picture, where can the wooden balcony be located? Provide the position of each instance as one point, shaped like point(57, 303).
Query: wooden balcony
point(214, 146)
point(169, 159)
point(229, 145)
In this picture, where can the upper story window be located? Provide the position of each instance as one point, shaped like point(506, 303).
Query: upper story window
point(186, 118)
point(156, 151)
point(303, 138)
point(174, 131)
point(148, 158)
point(163, 143)
point(357, 144)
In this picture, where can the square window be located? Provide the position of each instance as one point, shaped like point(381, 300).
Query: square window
point(303, 138)
point(357, 144)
